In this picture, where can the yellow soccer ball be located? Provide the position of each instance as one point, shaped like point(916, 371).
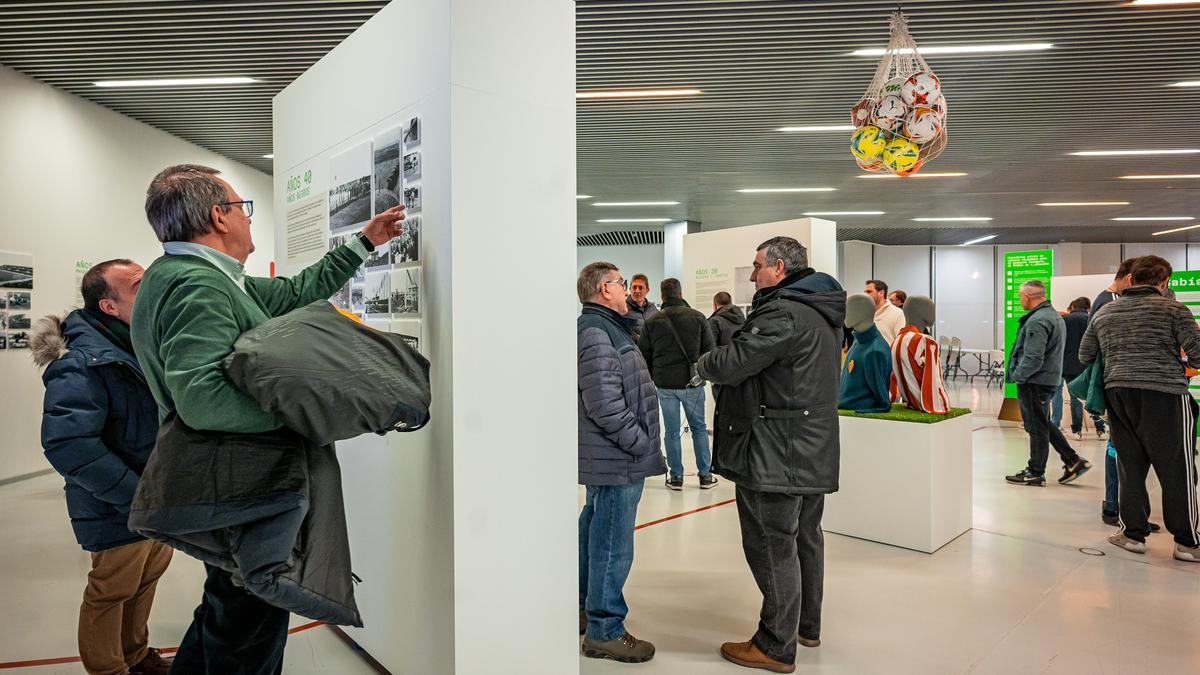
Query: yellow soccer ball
point(868, 143)
point(901, 155)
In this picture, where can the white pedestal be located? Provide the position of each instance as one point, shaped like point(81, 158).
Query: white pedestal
point(902, 483)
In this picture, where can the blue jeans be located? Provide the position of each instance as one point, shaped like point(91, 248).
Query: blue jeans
point(1056, 412)
point(605, 556)
point(1111, 481)
point(692, 401)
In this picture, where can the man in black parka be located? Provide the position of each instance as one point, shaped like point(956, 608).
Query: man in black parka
point(776, 431)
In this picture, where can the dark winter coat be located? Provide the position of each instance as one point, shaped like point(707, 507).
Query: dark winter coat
point(724, 323)
point(776, 424)
point(639, 314)
point(670, 366)
point(98, 426)
point(1037, 353)
point(1076, 323)
point(618, 403)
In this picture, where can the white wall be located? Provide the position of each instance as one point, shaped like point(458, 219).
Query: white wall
point(963, 286)
point(646, 259)
point(904, 268)
point(465, 532)
point(857, 265)
point(72, 183)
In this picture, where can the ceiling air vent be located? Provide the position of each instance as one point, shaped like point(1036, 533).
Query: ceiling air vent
point(621, 238)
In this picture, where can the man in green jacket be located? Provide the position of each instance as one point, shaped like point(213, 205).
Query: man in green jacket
point(193, 304)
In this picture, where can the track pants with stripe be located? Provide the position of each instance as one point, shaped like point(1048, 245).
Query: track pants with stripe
point(1155, 429)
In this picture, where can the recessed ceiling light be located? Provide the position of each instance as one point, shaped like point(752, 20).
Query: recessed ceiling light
point(945, 174)
point(1161, 176)
point(635, 204)
point(824, 127)
point(805, 189)
point(1177, 229)
point(953, 219)
point(1136, 218)
point(268, 156)
point(963, 49)
point(1084, 204)
point(1187, 83)
point(1110, 153)
point(979, 240)
point(637, 93)
point(843, 213)
point(176, 82)
point(633, 220)
point(1164, 2)
point(583, 196)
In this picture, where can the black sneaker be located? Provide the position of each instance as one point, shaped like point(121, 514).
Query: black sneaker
point(1026, 477)
point(708, 482)
point(1070, 473)
point(1110, 518)
point(675, 483)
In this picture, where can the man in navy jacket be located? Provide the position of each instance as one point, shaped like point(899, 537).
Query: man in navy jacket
point(618, 449)
point(98, 429)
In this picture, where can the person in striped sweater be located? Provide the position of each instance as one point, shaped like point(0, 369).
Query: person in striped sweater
point(916, 363)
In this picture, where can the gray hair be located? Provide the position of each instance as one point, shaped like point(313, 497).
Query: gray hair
point(179, 201)
point(588, 285)
point(791, 252)
point(1034, 288)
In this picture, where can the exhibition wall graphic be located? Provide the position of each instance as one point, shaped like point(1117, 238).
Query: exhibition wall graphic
point(1186, 285)
point(16, 299)
point(1019, 267)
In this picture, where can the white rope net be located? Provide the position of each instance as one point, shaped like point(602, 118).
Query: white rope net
point(900, 122)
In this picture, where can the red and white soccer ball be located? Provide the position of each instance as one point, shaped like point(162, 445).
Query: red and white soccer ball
point(860, 114)
point(889, 113)
point(922, 125)
point(921, 88)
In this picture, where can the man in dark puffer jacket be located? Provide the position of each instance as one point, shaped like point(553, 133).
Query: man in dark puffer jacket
point(618, 450)
point(777, 438)
point(98, 429)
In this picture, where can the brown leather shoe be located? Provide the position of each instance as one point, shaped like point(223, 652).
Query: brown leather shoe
point(746, 654)
point(808, 642)
point(154, 664)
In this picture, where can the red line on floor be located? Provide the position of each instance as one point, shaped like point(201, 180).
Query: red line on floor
point(685, 513)
point(75, 659)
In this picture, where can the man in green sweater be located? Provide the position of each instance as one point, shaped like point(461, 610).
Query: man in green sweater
point(192, 305)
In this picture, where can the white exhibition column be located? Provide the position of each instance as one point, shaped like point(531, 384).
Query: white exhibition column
point(464, 532)
point(721, 260)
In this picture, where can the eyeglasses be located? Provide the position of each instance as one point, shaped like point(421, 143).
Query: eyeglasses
point(624, 284)
point(247, 206)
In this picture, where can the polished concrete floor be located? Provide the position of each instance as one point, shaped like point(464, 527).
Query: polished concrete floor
point(1033, 588)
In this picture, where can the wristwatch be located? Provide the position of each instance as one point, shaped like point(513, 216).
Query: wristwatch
point(362, 236)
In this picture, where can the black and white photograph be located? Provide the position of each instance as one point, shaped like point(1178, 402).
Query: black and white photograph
point(350, 204)
point(412, 199)
point(18, 301)
point(406, 248)
point(19, 320)
point(387, 169)
point(3, 341)
point(377, 292)
point(18, 340)
point(3, 321)
point(357, 305)
point(3, 301)
point(380, 257)
point(412, 133)
point(406, 290)
point(410, 330)
point(743, 288)
point(412, 165)
point(342, 297)
point(16, 270)
point(338, 240)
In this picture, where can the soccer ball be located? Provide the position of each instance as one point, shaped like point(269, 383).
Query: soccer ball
point(921, 88)
point(860, 114)
point(916, 168)
point(939, 106)
point(901, 155)
point(867, 143)
point(922, 125)
point(892, 87)
point(870, 164)
point(889, 113)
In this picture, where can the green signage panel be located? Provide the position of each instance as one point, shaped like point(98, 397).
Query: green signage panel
point(1186, 285)
point(1019, 267)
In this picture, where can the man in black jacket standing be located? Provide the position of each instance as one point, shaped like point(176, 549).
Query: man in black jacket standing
point(1076, 320)
point(725, 320)
point(777, 438)
point(672, 341)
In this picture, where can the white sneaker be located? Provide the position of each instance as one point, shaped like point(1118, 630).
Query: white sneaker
point(1185, 554)
point(1077, 435)
point(1132, 545)
point(1102, 435)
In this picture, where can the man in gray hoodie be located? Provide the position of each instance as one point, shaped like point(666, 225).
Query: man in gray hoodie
point(1153, 417)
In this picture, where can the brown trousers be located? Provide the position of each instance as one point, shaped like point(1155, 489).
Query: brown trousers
point(116, 606)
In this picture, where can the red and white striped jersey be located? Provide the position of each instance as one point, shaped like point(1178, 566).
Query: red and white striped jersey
point(917, 372)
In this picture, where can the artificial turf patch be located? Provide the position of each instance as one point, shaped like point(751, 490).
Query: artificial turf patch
point(900, 413)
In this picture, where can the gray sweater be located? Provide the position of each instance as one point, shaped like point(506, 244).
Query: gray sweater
point(1140, 335)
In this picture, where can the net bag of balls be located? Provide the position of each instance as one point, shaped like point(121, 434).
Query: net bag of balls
point(900, 122)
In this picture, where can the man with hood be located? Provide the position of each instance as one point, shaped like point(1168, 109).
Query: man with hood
point(98, 429)
point(724, 322)
point(777, 438)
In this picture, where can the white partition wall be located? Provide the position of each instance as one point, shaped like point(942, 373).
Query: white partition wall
point(964, 284)
point(721, 260)
point(464, 532)
point(904, 268)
